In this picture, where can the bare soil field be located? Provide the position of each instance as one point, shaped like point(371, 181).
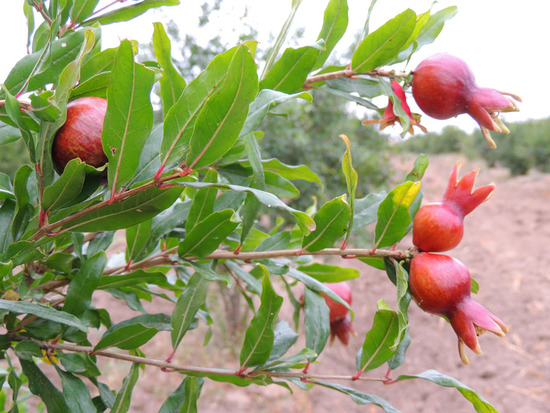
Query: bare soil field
point(505, 248)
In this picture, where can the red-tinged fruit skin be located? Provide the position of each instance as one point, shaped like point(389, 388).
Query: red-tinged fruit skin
point(80, 135)
point(340, 323)
point(443, 86)
point(441, 285)
point(439, 226)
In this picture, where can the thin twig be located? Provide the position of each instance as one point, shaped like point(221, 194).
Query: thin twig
point(169, 366)
point(347, 73)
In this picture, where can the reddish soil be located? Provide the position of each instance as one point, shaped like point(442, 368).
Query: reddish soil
point(504, 247)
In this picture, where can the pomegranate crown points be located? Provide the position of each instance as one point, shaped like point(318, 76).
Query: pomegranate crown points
point(460, 193)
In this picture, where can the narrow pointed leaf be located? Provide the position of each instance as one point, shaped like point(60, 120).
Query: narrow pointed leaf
point(335, 23)
point(129, 12)
point(260, 334)
point(203, 201)
point(289, 73)
point(351, 181)
point(129, 117)
point(14, 112)
point(187, 306)
point(180, 120)
point(383, 45)
point(82, 9)
point(331, 222)
point(264, 102)
point(84, 283)
point(133, 333)
point(316, 321)
point(315, 285)
point(394, 216)
point(124, 395)
point(40, 385)
point(220, 122)
point(480, 404)
point(379, 340)
point(403, 301)
point(366, 210)
point(172, 83)
point(77, 396)
point(47, 313)
point(133, 278)
point(184, 398)
point(66, 188)
point(327, 273)
point(305, 222)
point(136, 239)
point(208, 234)
point(132, 211)
point(285, 337)
point(361, 398)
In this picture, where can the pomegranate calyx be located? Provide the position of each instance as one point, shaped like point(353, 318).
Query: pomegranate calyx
point(460, 193)
point(390, 117)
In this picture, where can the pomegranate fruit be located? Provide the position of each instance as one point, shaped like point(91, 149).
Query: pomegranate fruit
point(390, 117)
point(441, 285)
point(80, 135)
point(340, 322)
point(439, 226)
point(443, 86)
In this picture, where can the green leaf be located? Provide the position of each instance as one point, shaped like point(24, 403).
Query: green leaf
point(129, 117)
point(403, 301)
point(316, 321)
point(361, 398)
point(129, 12)
point(285, 337)
point(383, 45)
point(480, 404)
point(289, 73)
point(66, 188)
point(77, 396)
point(291, 171)
point(419, 168)
point(84, 283)
point(135, 332)
point(220, 121)
point(378, 346)
point(208, 234)
point(189, 302)
point(40, 385)
point(315, 285)
point(132, 278)
point(82, 9)
point(124, 396)
point(136, 239)
point(47, 313)
point(29, 74)
point(399, 357)
point(277, 241)
point(172, 83)
point(16, 115)
point(184, 398)
point(6, 188)
point(203, 201)
point(265, 101)
point(131, 211)
point(95, 86)
point(27, 350)
point(24, 183)
point(335, 23)
point(260, 334)
point(100, 63)
point(393, 214)
point(326, 273)
point(366, 211)
point(305, 222)
point(351, 182)
point(331, 222)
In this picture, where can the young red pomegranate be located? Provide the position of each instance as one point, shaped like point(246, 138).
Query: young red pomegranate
point(390, 117)
point(439, 226)
point(340, 323)
point(441, 285)
point(443, 86)
point(80, 135)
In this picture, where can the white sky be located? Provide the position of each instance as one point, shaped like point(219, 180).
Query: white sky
point(505, 42)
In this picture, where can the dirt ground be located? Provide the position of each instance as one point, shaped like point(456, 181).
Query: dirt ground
point(505, 248)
